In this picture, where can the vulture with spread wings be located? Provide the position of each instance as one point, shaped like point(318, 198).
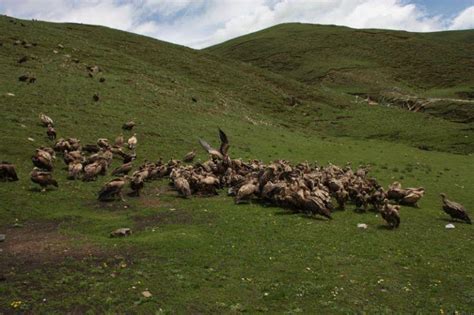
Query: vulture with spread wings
point(222, 153)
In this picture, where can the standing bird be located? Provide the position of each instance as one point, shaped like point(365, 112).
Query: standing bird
point(112, 190)
point(51, 132)
point(390, 214)
point(119, 141)
point(189, 157)
point(44, 179)
point(8, 172)
point(455, 210)
point(132, 141)
point(128, 125)
point(46, 120)
point(182, 186)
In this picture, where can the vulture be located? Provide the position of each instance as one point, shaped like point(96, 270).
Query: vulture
point(73, 156)
point(42, 178)
point(74, 169)
point(103, 143)
point(246, 192)
point(7, 172)
point(51, 132)
point(412, 197)
point(124, 169)
point(128, 125)
point(132, 141)
point(119, 141)
point(42, 160)
point(182, 186)
point(137, 183)
point(189, 157)
point(112, 190)
point(390, 214)
point(46, 120)
point(455, 210)
point(223, 149)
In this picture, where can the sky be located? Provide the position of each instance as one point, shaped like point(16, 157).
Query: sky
point(202, 23)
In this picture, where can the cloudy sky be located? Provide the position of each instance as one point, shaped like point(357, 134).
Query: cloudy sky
point(201, 23)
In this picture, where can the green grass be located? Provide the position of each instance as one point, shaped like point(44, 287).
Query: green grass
point(208, 254)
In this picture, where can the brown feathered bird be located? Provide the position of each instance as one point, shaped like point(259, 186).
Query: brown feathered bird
point(46, 120)
point(390, 214)
point(189, 157)
point(128, 125)
point(124, 169)
point(42, 178)
point(51, 132)
point(112, 190)
point(455, 210)
point(42, 160)
point(182, 186)
point(222, 153)
point(7, 172)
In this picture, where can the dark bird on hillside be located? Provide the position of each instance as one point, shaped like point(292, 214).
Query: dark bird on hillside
point(189, 157)
point(124, 169)
point(51, 132)
point(42, 178)
point(46, 120)
point(128, 125)
point(8, 172)
point(223, 149)
point(455, 210)
point(390, 214)
point(96, 97)
point(112, 190)
point(23, 59)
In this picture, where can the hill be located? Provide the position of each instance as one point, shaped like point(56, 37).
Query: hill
point(203, 255)
point(368, 62)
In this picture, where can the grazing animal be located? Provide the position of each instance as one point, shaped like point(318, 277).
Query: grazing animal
point(390, 214)
point(128, 125)
point(132, 142)
point(42, 178)
point(51, 132)
point(455, 210)
point(112, 190)
point(189, 157)
point(46, 120)
point(8, 172)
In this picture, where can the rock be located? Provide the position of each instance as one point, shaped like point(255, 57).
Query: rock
point(450, 226)
point(60, 46)
point(10, 94)
point(146, 294)
point(31, 139)
point(2, 237)
point(121, 232)
point(362, 226)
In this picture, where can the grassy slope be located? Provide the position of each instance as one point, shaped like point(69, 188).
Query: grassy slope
point(366, 59)
point(210, 255)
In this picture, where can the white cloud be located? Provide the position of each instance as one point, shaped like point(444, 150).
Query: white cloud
point(465, 20)
point(200, 23)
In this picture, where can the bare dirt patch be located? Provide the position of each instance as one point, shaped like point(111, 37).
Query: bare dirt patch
point(41, 242)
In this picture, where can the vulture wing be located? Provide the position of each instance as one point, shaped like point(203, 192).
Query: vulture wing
point(224, 142)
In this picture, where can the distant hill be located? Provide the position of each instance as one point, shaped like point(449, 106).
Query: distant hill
point(361, 60)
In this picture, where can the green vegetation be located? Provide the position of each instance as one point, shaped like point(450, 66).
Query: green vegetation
point(206, 254)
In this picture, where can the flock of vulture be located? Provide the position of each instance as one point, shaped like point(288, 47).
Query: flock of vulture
point(304, 188)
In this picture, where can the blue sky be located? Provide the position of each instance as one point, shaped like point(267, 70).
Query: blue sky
point(201, 23)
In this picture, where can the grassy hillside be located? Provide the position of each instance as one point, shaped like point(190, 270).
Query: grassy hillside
point(207, 255)
point(367, 61)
